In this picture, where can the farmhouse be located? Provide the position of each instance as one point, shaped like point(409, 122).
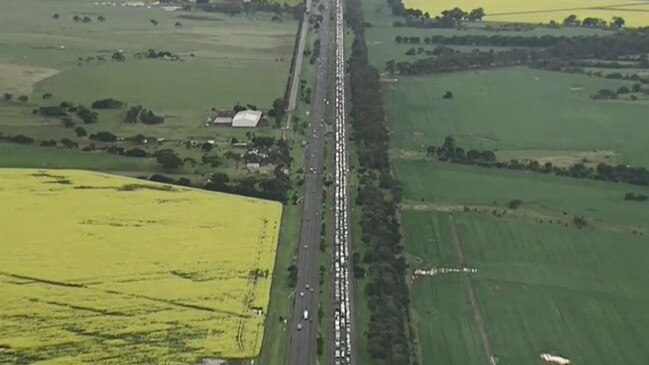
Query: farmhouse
point(246, 119)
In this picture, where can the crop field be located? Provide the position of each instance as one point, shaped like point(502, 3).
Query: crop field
point(110, 270)
point(507, 110)
point(541, 284)
point(225, 59)
point(382, 46)
point(635, 12)
point(563, 291)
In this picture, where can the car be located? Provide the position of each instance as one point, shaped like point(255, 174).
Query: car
point(299, 326)
point(301, 293)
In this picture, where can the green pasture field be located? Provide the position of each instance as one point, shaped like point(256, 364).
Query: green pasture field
point(543, 285)
point(226, 60)
point(516, 109)
point(574, 293)
point(439, 184)
point(540, 286)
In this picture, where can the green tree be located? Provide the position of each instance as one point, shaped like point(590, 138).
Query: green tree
point(455, 15)
point(7, 96)
point(476, 14)
point(618, 22)
point(169, 160)
point(154, 22)
point(101, 18)
point(571, 21)
point(23, 98)
point(81, 132)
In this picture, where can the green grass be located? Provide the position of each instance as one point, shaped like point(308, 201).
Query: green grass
point(13, 155)
point(274, 346)
point(561, 290)
point(444, 183)
point(510, 109)
point(242, 59)
point(164, 86)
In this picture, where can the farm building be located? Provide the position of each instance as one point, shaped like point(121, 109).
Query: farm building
point(246, 119)
point(223, 118)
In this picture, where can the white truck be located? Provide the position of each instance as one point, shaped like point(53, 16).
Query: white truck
point(306, 315)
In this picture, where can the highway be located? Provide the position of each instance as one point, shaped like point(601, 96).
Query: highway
point(303, 332)
point(342, 345)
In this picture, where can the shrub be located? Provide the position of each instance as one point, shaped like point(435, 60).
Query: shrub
point(21, 139)
point(80, 132)
point(514, 204)
point(109, 103)
point(87, 115)
point(52, 111)
point(103, 137)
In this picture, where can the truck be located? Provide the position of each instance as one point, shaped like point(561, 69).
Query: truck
point(306, 315)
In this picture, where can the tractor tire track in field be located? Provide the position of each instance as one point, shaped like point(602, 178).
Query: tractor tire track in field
point(605, 7)
point(477, 317)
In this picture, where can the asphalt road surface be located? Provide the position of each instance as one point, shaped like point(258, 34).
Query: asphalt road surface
point(302, 343)
point(342, 343)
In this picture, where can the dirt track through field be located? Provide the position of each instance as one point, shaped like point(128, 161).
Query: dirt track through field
point(486, 344)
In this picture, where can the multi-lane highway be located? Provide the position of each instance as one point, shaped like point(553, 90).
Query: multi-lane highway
point(304, 322)
point(343, 342)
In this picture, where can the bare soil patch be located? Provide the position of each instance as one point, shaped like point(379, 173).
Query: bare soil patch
point(20, 79)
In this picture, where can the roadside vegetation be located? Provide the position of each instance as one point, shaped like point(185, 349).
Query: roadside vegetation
point(522, 195)
point(385, 293)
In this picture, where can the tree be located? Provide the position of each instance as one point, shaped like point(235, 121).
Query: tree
point(593, 22)
point(514, 204)
point(47, 96)
point(7, 96)
point(154, 22)
point(178, 25)
point(23, 98)
point(81, 132)
point(571, 21)
point(118, 56)
point(448, 95)
point(390, 65)
point(86, 115)
point(108, 103)
point(292, 276)
point(455, 15)
point(101, 18)
point(22, 139)
point(86, 19)
point(56, 16)
point(103, 137)
point(398, 39)
point(623, 90)
point(636, 88)
point(169, 160)
point(278, 110)
point(618, 22)
point(476, 14)
point(207, 147)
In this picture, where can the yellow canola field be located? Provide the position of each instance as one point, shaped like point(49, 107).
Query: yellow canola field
point(634, 12)
point(104, 269)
